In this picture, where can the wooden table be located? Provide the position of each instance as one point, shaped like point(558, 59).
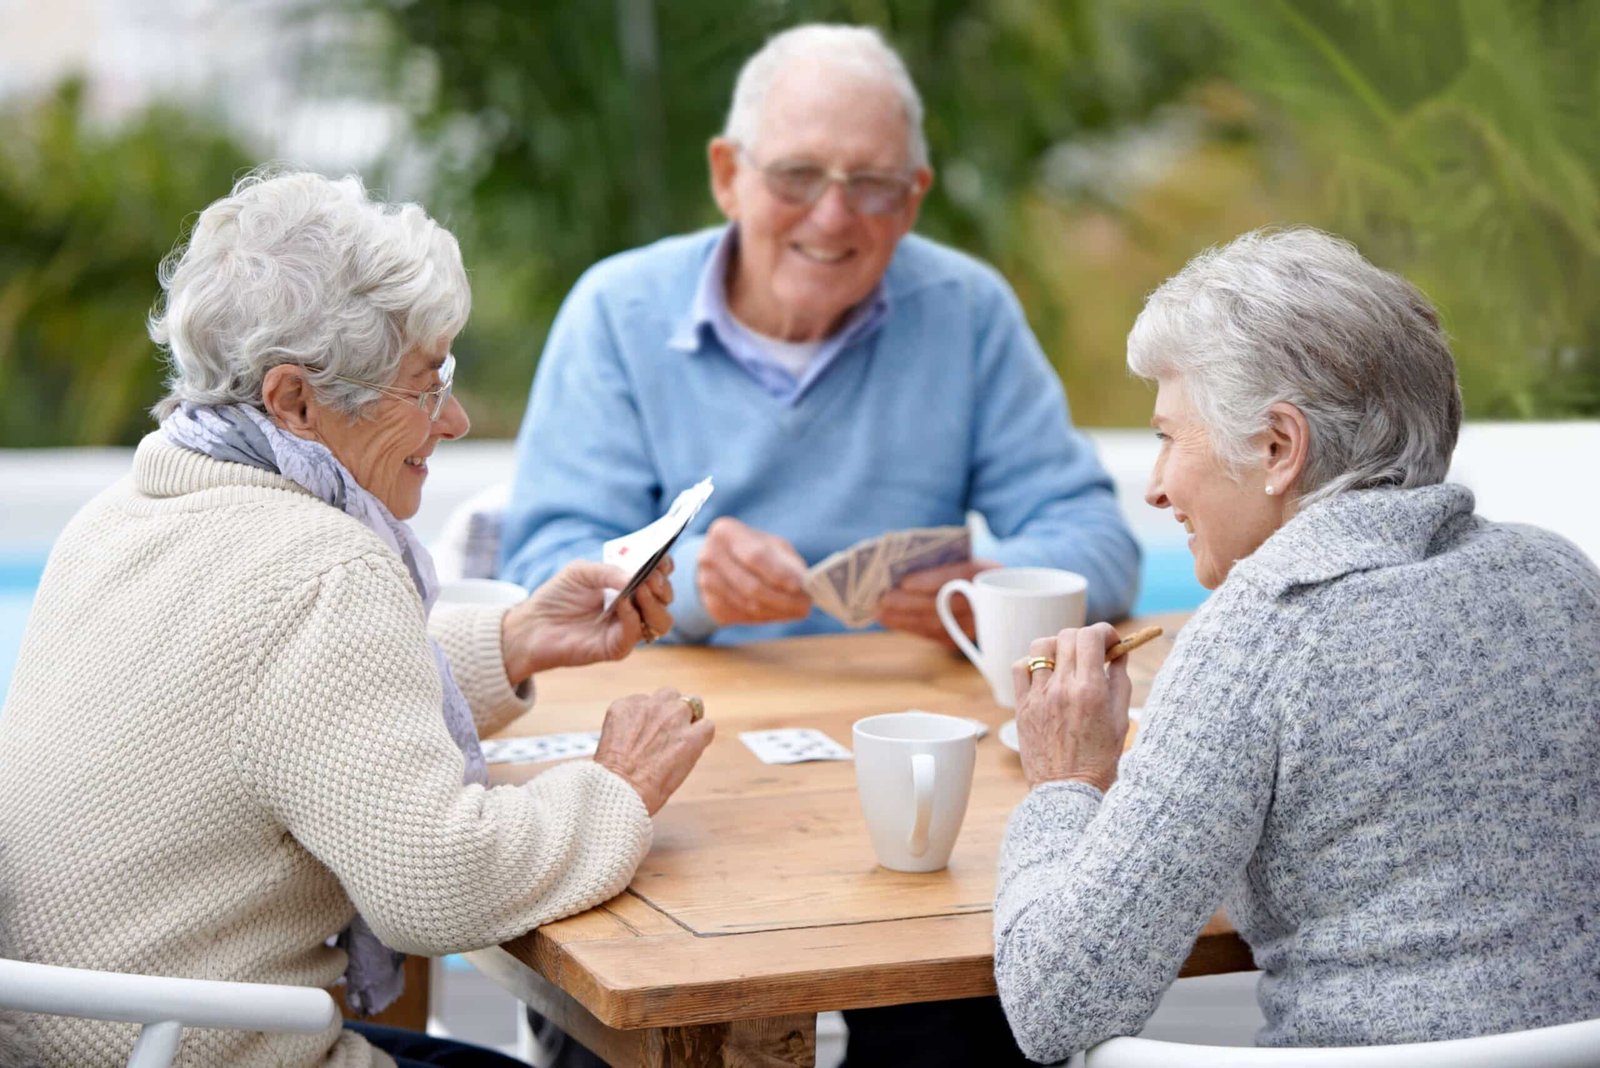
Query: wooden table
point(761, 904)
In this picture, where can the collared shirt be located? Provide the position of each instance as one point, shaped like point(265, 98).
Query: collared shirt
point(709, 313)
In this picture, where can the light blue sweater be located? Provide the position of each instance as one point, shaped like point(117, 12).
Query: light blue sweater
point(948, 405)
point(1379, 743)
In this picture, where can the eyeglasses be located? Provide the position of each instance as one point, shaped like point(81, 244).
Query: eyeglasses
point(802, 182)
point(431, 401)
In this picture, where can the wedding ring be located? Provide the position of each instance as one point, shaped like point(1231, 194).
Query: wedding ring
point(1040, 663)
point(697, 707)
point(647, 632)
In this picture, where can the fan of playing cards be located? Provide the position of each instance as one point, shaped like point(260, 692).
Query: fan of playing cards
point(638, 553)
point(849, 584)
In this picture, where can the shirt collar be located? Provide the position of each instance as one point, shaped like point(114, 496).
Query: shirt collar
point(709, 308)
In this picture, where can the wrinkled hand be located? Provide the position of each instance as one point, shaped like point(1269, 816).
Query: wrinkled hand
point(1072, 721)
point(750, 576)
point(649, 741)
point(560, 624)
point(910, 605)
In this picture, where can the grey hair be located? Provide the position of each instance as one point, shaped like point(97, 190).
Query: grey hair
point(1298, 315)
point(859, 50)
point(293, 267)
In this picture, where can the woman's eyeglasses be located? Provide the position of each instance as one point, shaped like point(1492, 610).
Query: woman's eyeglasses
point(431, 401)
point(802, 182)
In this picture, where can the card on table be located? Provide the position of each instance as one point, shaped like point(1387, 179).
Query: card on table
point(793, 745)
point(540, 747)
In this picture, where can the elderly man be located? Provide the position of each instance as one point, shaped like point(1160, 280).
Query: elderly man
point(838, 377)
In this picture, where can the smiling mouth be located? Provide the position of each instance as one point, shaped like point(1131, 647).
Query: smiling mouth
point(822, 256)
point(419, 462)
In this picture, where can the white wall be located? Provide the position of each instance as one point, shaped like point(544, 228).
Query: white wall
point(1541, 473)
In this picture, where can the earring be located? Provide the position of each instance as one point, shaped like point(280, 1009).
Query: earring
point(1270, 491)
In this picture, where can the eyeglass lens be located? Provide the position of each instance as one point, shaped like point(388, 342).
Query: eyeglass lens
point(804, 183)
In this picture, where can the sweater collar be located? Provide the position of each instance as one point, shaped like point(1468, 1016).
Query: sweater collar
point(162, 469)
point(1357, 530)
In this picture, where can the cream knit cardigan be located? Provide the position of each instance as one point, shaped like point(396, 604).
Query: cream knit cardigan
point(223, 736)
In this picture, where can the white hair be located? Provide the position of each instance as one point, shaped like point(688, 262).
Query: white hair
point(297, 268)
point(858, 50)
point(1298, 315)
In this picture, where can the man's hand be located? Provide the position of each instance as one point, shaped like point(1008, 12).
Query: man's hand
point(750, 576)
point(910, 605)
point(560, 625)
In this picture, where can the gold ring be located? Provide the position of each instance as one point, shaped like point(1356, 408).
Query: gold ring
point(1040, 663)
point(647, 632)
point(697, 707)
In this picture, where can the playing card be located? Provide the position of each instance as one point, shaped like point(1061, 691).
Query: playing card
point(793, 745)
point(849, 584)
point(540, 747)
point(639, 552)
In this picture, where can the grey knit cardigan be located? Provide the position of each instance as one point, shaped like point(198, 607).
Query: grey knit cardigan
point(1378, 743)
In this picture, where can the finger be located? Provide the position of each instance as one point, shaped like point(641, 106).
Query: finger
point(1021, 681)
point(666, 567)
point(756, 590)
point(929, 580)
point(1121, 687)
point(1091, 651)
point(660, 586)
point(1042, 647)
point(654, 613)
point(608, 575)
point(771, 559)
point(626, 629)
point(1066, 651)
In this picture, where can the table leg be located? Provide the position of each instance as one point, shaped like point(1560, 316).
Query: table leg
point(773, 1042)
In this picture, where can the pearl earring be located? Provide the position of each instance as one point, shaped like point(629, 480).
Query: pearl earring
point(1269, 491)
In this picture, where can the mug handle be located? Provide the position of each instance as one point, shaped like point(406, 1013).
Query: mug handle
point(922, 769)
point(957, 635)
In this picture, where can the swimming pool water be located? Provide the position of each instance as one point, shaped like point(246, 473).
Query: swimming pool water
point(1167, 584)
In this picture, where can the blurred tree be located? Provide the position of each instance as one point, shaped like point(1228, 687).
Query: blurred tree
point(1459, 144)
point(85, 216)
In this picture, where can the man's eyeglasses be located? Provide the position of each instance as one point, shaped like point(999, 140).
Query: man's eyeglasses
point(431, 401)
point(802, 182)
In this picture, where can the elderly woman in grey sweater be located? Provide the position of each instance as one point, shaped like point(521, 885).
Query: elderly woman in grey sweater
point(1376, 742)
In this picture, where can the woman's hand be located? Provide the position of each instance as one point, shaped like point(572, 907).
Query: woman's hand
point(653, 742)
point(560, 625)
point(1072, 720)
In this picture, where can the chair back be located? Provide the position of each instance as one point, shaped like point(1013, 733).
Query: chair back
point(165, 1006)
point(1574, 1045)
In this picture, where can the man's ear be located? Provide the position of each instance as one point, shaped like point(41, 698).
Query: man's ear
point(723, 157)
point(287, 397)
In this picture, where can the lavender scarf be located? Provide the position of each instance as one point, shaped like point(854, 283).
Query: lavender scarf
point(241, 434)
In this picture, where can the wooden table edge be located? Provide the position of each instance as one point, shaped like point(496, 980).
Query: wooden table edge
point(570, 966)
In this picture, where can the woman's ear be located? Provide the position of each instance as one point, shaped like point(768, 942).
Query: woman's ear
point(1288, 447)
point(287, 397)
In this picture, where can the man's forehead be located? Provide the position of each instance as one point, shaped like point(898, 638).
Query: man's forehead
point(821, 111)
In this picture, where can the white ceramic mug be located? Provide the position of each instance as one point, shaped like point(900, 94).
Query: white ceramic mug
point(1012, 606)
point(914, 775)
point(480, 591)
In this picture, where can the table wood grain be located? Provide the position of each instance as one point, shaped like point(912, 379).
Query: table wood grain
point(760, 903)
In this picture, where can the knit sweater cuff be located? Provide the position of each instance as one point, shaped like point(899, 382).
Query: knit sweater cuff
point(470, 635)
point(1049, 819)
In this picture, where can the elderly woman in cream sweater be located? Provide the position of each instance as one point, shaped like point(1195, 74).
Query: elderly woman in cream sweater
point(236, 746)
point(1376, 741)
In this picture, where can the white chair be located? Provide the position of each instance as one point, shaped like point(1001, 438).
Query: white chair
point(163, 1005)
point(1574, 1045)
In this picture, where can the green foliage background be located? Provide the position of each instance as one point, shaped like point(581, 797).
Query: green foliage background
point(1088, 148)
